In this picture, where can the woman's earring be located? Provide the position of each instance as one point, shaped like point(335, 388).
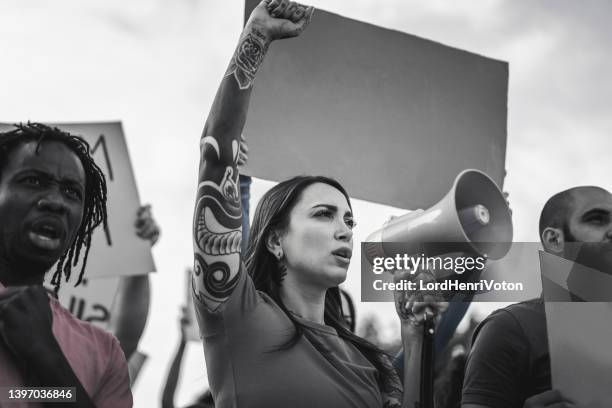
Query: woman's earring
point(279, 255)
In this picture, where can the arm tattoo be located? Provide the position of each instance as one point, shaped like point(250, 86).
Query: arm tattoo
point(217, 226)
point(215, 278)
point(217, 223)
point(248, 57)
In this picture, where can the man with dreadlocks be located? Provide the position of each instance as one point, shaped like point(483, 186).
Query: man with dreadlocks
point(52, 196)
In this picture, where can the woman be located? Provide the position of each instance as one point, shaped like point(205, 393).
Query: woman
point(271, 318)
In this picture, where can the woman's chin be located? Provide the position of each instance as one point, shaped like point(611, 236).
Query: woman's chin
point(337, 276)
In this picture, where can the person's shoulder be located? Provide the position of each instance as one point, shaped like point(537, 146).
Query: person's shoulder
point(532, 306)
point(522, 319)
point(529, 314)
point(79, 330)
point(517, 312)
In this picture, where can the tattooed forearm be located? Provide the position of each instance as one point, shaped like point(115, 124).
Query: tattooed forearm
point(248, 57)
point(217, 238)
point(217, 224)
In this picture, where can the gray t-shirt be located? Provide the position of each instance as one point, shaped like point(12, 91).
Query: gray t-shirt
point(509, 361)
point(246, 369)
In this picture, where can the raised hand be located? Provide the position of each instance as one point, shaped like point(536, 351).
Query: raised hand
point(218, 215)
point(281, 18)
point(146, 226)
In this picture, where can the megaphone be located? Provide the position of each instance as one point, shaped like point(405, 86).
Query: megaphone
point(473, 216)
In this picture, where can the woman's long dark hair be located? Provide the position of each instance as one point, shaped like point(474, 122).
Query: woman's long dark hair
point(272, 214)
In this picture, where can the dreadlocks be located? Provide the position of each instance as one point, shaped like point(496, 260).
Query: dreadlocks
point(94, 212)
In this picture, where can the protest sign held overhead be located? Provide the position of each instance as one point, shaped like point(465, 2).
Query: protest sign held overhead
point(393, 116)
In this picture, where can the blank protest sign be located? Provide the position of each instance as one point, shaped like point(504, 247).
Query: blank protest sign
point(579, 336)
point(394, 117)
point(579, 332)
point(120, 252)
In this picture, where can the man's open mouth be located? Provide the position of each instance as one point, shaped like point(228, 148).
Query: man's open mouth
point(46, 235)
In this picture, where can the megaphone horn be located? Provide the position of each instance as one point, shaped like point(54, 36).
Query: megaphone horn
point(473, 215)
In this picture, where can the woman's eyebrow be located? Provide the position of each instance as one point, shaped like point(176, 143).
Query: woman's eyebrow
point(328, 206)
point(333, 208)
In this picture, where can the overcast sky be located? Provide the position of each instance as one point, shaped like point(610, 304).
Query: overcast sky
point(155, 65)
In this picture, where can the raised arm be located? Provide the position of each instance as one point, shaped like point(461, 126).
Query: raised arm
point(131, 307)
point(175, 367)
point(217, 225)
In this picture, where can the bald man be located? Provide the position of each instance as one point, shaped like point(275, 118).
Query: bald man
point(509, 364)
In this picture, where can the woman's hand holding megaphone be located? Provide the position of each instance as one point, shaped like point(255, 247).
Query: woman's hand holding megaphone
point(415, 307)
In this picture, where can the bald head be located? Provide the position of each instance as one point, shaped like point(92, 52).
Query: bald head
point(559, 208)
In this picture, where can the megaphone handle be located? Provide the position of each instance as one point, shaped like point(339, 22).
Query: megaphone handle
point(427, 362)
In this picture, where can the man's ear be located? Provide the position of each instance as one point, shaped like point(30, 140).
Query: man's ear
point(553, 240)
point(273, 244)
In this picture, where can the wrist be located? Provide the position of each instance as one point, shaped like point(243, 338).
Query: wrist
point(412, 332)
point(259, 30)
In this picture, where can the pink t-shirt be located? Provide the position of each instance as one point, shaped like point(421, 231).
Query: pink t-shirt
point(94, 355)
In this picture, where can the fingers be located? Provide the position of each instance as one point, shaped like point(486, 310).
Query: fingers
point(419, 308)
point(242, 159)
point(302, 22)
point(243, 154)
point(144, 211)
point(149, 232)
point(147, 229)
point(282, 18)
point(289, 10)
point(277, 7)
point(143, 215)
point(244, 148)
point(146, 226)
point(298, 13)
point(428, 309)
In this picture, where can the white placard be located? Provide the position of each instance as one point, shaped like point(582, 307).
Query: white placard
point(579, 333)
